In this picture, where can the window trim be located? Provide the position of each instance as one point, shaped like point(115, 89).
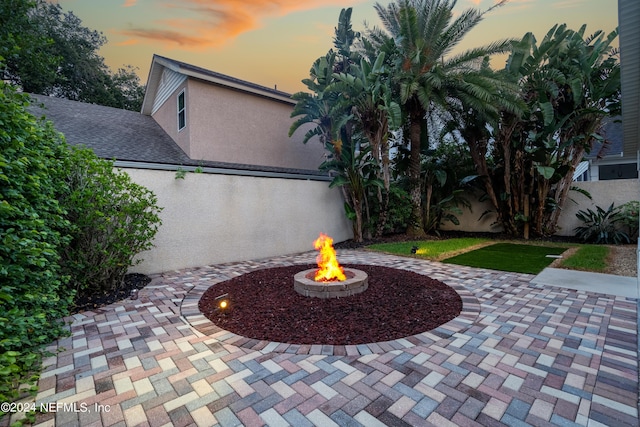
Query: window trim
point(182, 112)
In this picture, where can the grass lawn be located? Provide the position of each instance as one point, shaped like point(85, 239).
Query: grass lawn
point(518, 258)
point(504, 256)
point(588, 258)
point(429, 249)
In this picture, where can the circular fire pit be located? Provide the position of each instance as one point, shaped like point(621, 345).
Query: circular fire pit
point(356, 282)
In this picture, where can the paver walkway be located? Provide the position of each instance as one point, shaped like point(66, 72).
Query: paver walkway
point(521, 354)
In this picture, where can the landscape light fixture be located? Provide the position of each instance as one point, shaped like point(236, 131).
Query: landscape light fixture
point(414, 249)
point(223, 302)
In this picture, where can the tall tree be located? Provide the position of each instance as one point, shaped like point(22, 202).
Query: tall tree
point(23, 45)
point(424, 32)
point(592, 94)
point(328, 117)
point(127, 90)
point(568, 85)
point(352, 107)
point(317, 109)
point(52, 53)
point(82, 73)
point(366, 90)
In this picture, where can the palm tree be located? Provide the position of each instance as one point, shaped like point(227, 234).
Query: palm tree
point(566, 84)
point(594, 92)
point(322, 106)
point(318, 107)
point(569, 84)
point(353, 171)
point(367, 91)
point(330, 115)
point(424, 33)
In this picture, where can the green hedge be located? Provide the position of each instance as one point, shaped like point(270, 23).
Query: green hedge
point(33, 229)
point(113, 220)
point(69, 223)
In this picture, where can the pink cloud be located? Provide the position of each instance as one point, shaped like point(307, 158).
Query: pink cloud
point(129, 42)
point(202, 24)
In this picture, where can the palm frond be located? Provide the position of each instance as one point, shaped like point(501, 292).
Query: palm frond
point(460, 27)
point(497, 47)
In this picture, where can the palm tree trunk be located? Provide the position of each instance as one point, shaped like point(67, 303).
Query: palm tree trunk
point(381, 135)
point(478, 150)
point(384, 214)
point(427, 209)
point(415, 229)
point(563, 187)
point(357, 232)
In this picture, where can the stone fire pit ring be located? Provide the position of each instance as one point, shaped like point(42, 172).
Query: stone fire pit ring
point(356, 282)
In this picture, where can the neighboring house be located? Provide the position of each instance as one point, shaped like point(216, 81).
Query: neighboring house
point(620, 159)
point(191, 118)
point(629, 25)
point(213, 117)
point(607, 160)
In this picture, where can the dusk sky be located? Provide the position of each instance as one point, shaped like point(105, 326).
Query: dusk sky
point(274, 42)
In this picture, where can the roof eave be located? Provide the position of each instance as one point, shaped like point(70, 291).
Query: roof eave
point(238, 86)
point(153, 81)
point(155, 74)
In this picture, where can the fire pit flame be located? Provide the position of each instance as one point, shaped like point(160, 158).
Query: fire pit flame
point(328, 267)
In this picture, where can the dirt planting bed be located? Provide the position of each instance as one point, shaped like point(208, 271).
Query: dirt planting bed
point(398, 303)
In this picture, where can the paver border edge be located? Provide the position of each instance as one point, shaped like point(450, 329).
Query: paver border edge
point(192, 315)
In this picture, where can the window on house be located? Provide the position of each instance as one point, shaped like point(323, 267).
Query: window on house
point(619, 171)
point(182, 117)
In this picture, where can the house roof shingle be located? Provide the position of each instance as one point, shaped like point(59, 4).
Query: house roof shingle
point(112, 133)
point(129, 136)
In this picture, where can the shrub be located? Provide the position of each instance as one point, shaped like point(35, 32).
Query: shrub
point(601, 226)
point(65, 217)
point(33, 228)
point(399, 210)
point(444, 210)
point(629, 213)
point(113, 220)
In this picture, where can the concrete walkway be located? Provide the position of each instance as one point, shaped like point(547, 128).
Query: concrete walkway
point(590, 282)
point(521, 353)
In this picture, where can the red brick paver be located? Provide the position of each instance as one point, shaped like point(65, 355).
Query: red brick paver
point(519, 354)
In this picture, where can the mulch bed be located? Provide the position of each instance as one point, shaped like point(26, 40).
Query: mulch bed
point(93, 300)
point(398, 303)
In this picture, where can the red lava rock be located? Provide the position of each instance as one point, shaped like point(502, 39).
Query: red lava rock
point(398, 303)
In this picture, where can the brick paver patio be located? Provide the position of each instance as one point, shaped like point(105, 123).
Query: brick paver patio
point(518, 355)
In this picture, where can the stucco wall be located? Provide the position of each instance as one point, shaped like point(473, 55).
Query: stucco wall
point(211, 218)
point(228, 125)
point(167, 118)
point(603, 194)
point(481, 218)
